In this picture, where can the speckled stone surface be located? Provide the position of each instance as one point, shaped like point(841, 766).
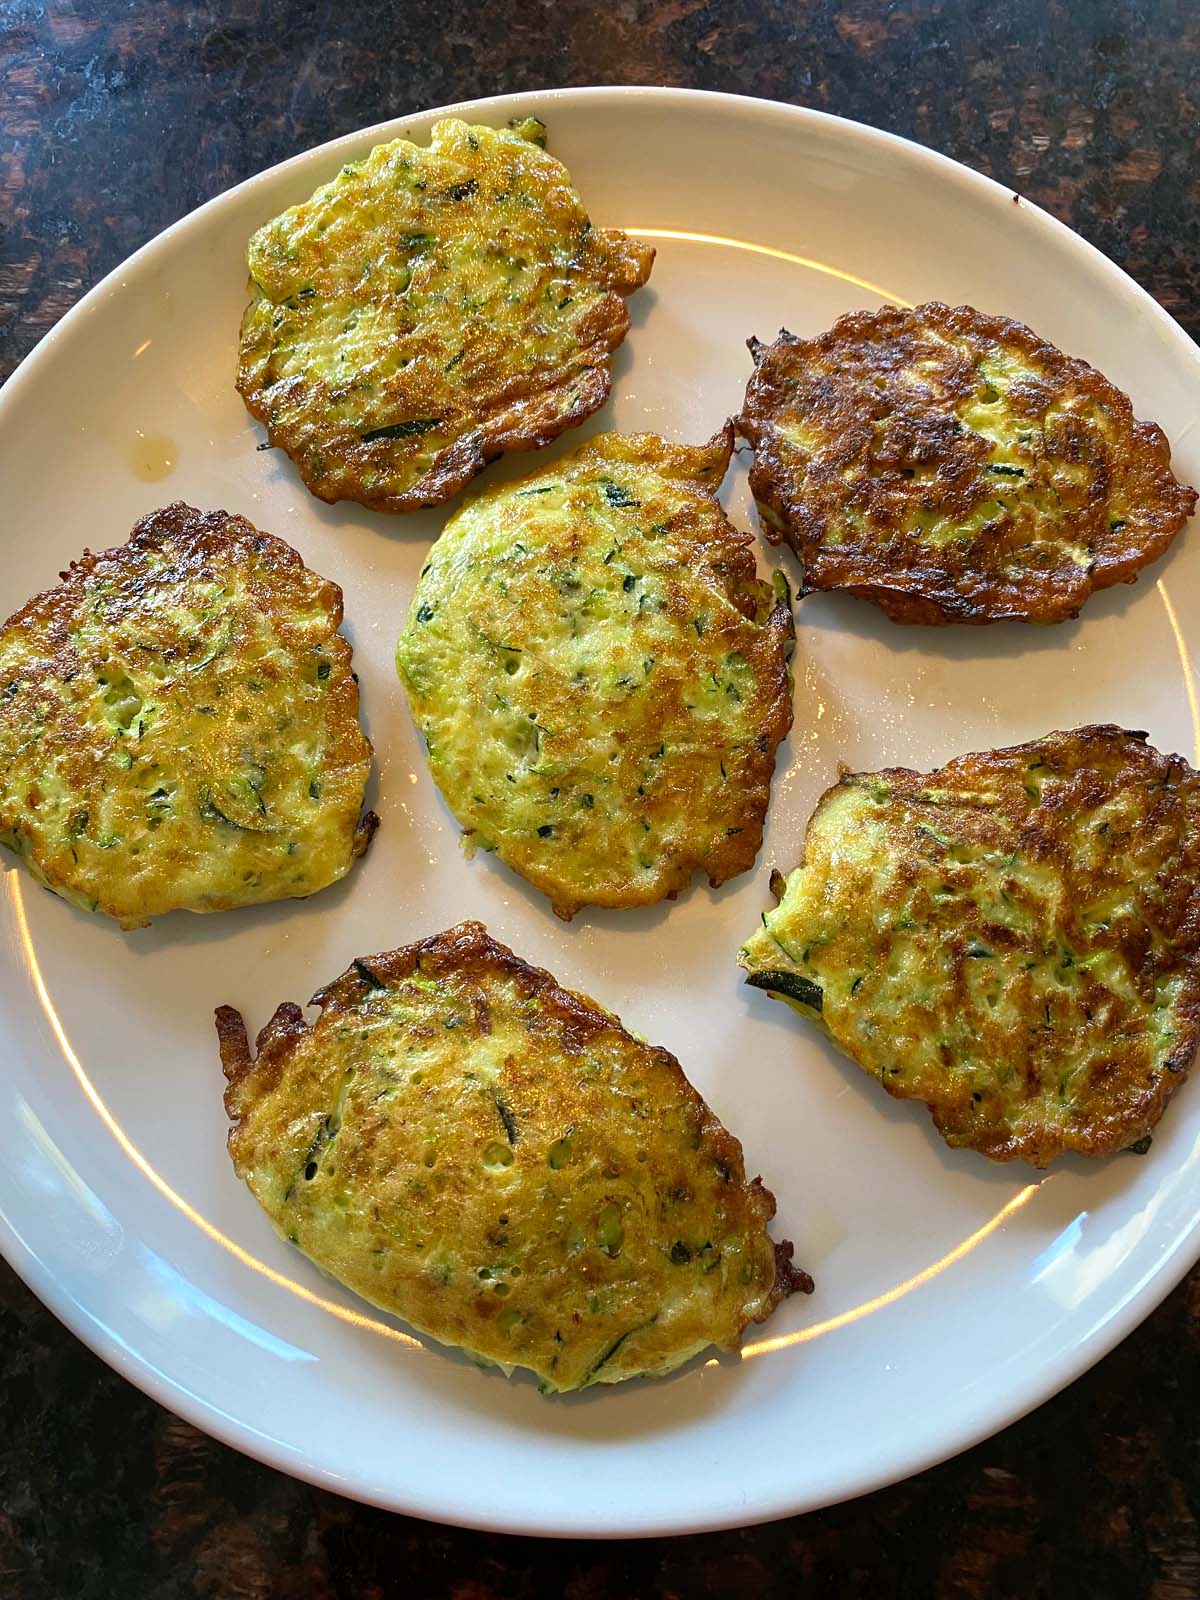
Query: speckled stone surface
point(118, 116)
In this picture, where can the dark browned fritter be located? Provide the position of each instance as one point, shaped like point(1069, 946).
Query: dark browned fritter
point(951, 466)
point(1014, 939)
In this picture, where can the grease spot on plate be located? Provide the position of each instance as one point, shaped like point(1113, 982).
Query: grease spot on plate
point(152, 456)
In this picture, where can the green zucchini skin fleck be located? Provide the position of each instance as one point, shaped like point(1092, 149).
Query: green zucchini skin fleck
point(792, 984)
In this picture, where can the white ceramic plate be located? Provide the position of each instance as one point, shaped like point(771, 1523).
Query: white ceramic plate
point(951, 1295)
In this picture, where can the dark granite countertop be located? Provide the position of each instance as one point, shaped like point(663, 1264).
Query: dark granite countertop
point(117, 117)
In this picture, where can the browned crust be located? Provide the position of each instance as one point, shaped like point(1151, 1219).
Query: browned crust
point(736, 853)
point(845, 386)
point(789, 1278)
point(271, 1048)
point(200, 537)
point(367, 828)
point(200, 542)
point(523, 419)
point(234, 1044)
point(732, 553)
point(1102, 755)
point(464, 952)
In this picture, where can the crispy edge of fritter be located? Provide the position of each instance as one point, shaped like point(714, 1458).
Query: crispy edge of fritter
point(702, 469)
point(468, 951)
point(233, 541)
point(1133, 1132)
point(1164, 504)
point(734, 853)
point(524, 421)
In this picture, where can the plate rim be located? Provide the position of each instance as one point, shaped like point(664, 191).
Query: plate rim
point(1054, 1373)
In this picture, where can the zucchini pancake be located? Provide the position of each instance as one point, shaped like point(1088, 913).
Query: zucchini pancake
point(179, 724)
point(600, 677)
point(1014, 939)
point(429, 309)
point(950, 466)
point(497, 1161)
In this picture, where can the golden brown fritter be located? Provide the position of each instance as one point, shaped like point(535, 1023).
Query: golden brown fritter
point(950, 466)
point(428, 310)
point(1014, 939)
point(497, 1161)
point(179, 724)
point(601, 678)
